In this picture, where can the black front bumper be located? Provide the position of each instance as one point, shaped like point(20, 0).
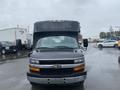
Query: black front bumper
point(56, 76)
point(56, 79)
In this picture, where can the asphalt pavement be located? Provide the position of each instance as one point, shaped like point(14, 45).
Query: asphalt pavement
point(102, 65)
point(11, 56)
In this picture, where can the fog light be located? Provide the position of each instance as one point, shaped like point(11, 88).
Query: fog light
point(79, 68)
point(34, 69)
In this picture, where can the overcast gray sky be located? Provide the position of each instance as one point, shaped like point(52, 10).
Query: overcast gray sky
point(94, 15)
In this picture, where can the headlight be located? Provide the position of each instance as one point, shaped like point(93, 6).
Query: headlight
point(116, 42)
point(79, 68)
point(81, 60)
point(33, 61)
point(34, 69)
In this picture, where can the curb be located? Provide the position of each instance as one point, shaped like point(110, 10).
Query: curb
point(14, 57)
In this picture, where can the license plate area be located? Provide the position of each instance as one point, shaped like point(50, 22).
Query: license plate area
point(56, 81)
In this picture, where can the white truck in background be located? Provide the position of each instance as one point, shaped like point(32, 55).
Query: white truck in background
point(14, 34)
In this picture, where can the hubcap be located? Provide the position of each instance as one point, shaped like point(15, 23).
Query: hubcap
point(3, 51)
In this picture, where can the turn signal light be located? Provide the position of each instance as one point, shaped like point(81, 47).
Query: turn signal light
point(79, 68)
point(34, 69)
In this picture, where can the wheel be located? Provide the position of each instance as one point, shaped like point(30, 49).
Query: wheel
point(119, 59)
point(33, 84)
point(3, 52)
point(79, 84)
point(119, 48)
point(116, 46)
point(100, 46)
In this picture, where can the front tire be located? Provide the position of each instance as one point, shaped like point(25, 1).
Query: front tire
point(100, 46)
point(79, 84)
point(115, 46)
point(119, 59)
point(119, 48)
point(33, 84)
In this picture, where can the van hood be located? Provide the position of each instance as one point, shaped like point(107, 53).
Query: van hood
point(56, 54)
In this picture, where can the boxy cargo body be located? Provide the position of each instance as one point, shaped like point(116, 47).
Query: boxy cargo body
point(13, 34)
point(56, 58)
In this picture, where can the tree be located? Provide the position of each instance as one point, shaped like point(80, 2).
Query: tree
point(108, 35)
point(103, 35)
point(111, 29)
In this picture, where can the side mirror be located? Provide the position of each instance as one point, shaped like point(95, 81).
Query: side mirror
point(29, 54)
point(82, 48)
point(85, 43)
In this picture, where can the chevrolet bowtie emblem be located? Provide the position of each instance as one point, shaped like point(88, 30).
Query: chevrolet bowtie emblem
point(57, 66)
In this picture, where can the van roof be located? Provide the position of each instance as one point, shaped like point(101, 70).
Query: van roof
point(57, 25)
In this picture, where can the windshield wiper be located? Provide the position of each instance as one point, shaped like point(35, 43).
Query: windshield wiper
point(64, 47)
point(43, 48)
point(56, 47)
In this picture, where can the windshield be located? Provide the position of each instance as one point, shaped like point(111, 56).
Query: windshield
point(61, 42)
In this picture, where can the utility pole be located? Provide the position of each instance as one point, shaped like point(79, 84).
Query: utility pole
point(28, 29)
point(111, 32)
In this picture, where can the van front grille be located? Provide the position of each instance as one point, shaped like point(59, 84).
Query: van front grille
point(56, 62)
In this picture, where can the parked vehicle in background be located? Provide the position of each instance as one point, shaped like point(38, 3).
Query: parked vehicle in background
point(7, 47)
point(119, 44)
point(107, 43)
point(16, 34)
